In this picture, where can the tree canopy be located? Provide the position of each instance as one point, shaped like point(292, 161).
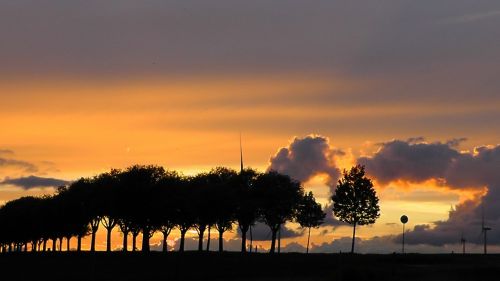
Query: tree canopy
point(149, 199)
point(355, 200)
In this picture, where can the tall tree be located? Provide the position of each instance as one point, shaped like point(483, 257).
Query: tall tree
point(185, 211)
point(279, 197)
point(246, 212)
point(165, 204)
point(355, 200)
point(107, 185)
point(309, 214)
point(141, 181)
point(202, 201)
point(222, 182)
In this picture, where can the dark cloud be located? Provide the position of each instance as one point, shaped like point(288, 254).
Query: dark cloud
point(456, 142)
point(409, 161)
point(33, 182)
point(24, 165)
point(305, 158)
point(262, 232)
point(386, 245)
point(418, 162)
point(6, 152)
point(330, 219)
point(95, 38)
point(191, 244)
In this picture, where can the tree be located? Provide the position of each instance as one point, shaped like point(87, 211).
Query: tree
point(107, 187)
point(165, 204)
point(247, 204)
point(202, 202)
point(279, 197)
point(222, 182)
point(355, 200)
point(185, 212)
point(309, 214)
point(141, 181)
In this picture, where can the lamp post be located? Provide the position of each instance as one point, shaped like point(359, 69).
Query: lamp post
point(404, 220)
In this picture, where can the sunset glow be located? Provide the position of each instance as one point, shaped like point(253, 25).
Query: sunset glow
point(89, 88)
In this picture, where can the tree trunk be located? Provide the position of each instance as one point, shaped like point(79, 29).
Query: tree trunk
point(60, 244)
point(79, 243)
point(68, 239)
point(200, 239)
point(145, 239)
point(251, 240)
point(273, 240)
point(244, 231)
point(308, 238)
point(183, 235)
point(279, 239)
point(44, 245)
point(134, 241)
point(92, 241)
point(353, 237)
point(125, 240)
point(165, 245)
point(221, 241)
point(108, 239)
point(208, 239)
point(54, 244)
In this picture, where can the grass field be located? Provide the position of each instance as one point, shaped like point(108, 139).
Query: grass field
point(235, 266)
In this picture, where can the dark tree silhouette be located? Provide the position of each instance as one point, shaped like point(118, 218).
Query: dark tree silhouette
point(309, 214)
point(165, 204)
point(202, 202)
point(279, 197)
point(222, 183)
point(355, 200)
point(146, 199)
point(142, 180)
point(107, 185)
point(247, 203)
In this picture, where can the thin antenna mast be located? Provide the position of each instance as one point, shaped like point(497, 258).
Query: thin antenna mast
point(462, 240)
point(241, 155)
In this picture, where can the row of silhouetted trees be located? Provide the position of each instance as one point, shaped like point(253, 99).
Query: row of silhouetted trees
point(149, 199)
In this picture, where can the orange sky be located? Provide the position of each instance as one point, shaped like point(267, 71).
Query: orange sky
point(86, 86)
point(71, 129)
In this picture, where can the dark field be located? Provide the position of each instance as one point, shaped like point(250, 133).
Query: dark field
point(234, 266)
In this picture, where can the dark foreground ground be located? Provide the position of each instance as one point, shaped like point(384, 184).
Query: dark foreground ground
point(235, 266)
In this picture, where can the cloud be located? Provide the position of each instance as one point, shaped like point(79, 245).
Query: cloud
point(471, 17)
point(418, 162)
point(330, 219)
point(191, 244)
point(306, 157)
point(261, 232)
point(6, 152)
point(406, 160)
point(24, 165)
point(33, 182)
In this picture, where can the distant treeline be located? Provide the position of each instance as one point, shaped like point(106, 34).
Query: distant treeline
point(149, 199)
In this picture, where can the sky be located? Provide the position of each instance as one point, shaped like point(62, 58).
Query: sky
point(409, 89)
